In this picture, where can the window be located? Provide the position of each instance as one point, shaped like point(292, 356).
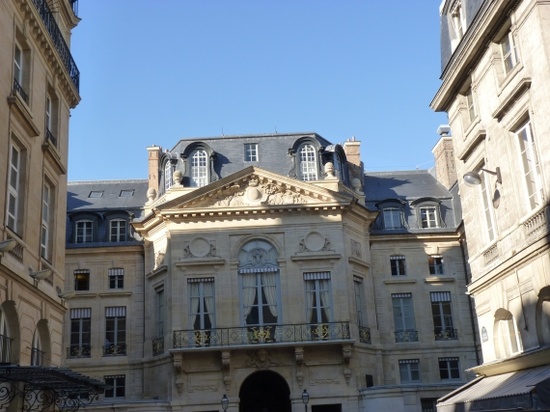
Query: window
point(308, 162)
point(94, 194)
point(160, 312)
point(531, 168)
point(488, 210)
point(359, 301)
point(409, 370)
point(81, 333)
point(21, 65)
point(117, 230)
point(126, 193)
point(458, 23)
point(448, 368)
point(52, 109)
point(470, 105)
point(428, 404)
point(37, 354)
point(507, 337)
point(392, 218)
point(168, 175)
point(318, 299)
point(15, 194)
point(428, 217)
point(5, 339)
point(442, 316)
point(251, 152)
point(397, 265)
point(199, 168)
point(45, 234)
point(403, 317)
point(338, 166)
point(116, 278)
point(435, 263)
point(81, 279)
point(201, 311)
point(115, 331)
point(116, 386)
point(508, 52)
point(84, 231)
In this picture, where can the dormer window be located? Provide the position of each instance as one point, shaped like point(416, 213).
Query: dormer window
point(199, 168)
point(392, 218)
point(117, 230)
point(428, 213)
point(84, 231)
point(308, 163)
point(168, 175)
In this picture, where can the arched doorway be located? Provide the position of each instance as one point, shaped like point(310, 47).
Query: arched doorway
point(264, 391)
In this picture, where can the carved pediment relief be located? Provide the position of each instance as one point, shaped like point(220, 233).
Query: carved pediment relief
point(254, 190)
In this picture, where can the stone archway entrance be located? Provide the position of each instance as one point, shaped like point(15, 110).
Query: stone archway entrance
point(264, 391)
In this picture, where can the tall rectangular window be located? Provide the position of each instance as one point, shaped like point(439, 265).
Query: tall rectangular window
point(359, 301)
point(52, 109)
point(84, 231)
point(160, 312)
point(116, 278)
point(168, 175)
point(117, 230)
point(449, 368)
point(318, 297)
point(15, 175)
point(442, 316)
point(81, 279)
point(531, 167)
point(508, 52)
point(201, 311)
point(199, 168)
point(397, 263)
point(308, 162)
point(488, 210)
point(116, 386)
point(435, 263)
point(260, 296)
point(115, 331)
point(21, 65)
point(470, 105)
point(403, 317)
point(251, 152)
point(392, 218)
point(409, 370)
point(81, 333)
point(45, 234)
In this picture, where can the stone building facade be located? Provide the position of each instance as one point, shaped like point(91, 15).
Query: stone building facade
point(259, 268)
point(495, 77)
point(39, 86)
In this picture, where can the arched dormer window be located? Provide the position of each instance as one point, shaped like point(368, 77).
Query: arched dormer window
point(308, 163)
point(428, 213)
point(392, 216)
point(168, 175)
point(199, 163)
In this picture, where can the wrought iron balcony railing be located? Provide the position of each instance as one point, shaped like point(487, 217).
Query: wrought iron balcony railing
point(5, 349)
point(17, 88)
point(158, 346)
point(75, 351)
point(268, 334)
point(364, 335)
point(445, 334)
point(51, 138)
point(58, 40)
point(110, 349)
point(406, 336)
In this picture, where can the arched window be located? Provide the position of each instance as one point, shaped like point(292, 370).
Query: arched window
point(5, 339)
point(543, 316)
point(168, 175)
point(507, 339)
point(308, 162)
point(199, 168)
point(37, 354)
point(259, 280)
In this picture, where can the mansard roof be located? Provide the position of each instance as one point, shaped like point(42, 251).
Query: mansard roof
point(104, 195)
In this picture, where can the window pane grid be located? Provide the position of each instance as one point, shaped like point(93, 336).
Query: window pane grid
point(199, 171)
point(308, 163)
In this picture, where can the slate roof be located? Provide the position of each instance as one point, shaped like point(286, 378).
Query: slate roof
point(272, 148)
point(80, 198)
point(408, 187)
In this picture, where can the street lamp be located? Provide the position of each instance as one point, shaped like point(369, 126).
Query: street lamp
point(225, 402)
point(305, 399)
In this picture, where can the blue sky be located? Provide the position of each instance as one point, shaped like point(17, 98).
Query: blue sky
point(156, 71)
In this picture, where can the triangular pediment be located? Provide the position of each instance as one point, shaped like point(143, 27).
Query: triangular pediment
point(255, 187)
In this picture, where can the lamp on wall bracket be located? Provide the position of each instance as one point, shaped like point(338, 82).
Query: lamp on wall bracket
point(474, 178)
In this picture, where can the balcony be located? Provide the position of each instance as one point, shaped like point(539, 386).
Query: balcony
point(267, 334)
point(17, 88)
point(50, 138)
point(111, 349)
point(76, 351)
point(406, 336)
point(58, 41)
point(445, 334)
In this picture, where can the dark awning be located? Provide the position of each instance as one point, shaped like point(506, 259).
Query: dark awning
point(528, 389)
point(62, 387)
